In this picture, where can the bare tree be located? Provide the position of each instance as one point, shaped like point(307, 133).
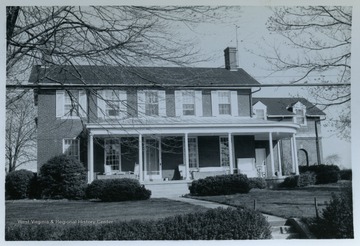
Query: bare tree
point(20, 133)
point(319, 42)
point(100, 35)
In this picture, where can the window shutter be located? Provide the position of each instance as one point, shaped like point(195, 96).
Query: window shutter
point(214, 103)
point(101, 104)
point(123, 104)
point(141, 103)
point(60, 103)
point(234, 103)
point(198, 103)
point(162, 103)
point(178, 103)
point(82, 103)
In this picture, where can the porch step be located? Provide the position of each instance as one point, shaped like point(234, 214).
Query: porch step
point(167, 189)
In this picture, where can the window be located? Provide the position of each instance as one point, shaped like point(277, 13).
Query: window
point(71, 147)
point(224, 102)
point(188, 106)
point(193, 152)
point(112, 154)
point(224, 152)
point(71, 103)
point(260, 114)
point(151, 103)
point(299, 116)
point(112, 106)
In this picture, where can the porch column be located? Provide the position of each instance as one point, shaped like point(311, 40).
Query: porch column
point(271, 154)
point(279, 157)
point(295, 155)
point(292, 155)
point(141, 173)
point(186, 157)
point(90, 157)
point(231, 159)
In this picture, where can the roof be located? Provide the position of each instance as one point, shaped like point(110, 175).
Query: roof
point(281, 105)
point(178, 76)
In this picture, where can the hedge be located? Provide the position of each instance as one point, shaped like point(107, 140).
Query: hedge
point(111, 190)
point(20, 184)
point(346, 174)
point(62, 177)
point(302, 180)
point(259, 183)
point(324, 173)
point(214, 224)
point(220, 185)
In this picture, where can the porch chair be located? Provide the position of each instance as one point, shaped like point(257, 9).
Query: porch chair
point(182, 170)
point(107, 169)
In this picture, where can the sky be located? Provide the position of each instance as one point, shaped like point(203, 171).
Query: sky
point(249, 21)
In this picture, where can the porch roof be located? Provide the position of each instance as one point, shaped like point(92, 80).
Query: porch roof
point(192, 125)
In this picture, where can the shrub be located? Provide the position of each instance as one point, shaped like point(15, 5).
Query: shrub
point(346, 174)
point(290, 182)
point(306, 178)
point(62, 177)
point(214, 224)
point(220, 185)
point(336, 220)
point(324, 173)
point(302, 180)
point(259, 183)
point(19, 184)
point(111, 190)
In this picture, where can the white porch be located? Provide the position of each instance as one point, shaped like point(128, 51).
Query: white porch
point(149, 137)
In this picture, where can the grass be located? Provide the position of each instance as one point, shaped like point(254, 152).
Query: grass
point(283, 203)
point(64, 210)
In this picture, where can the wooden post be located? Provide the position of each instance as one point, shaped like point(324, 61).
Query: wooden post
point(254, 204)
point(316, 208)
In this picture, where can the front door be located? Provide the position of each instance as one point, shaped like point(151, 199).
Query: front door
point(152, 159)
point(260, 160)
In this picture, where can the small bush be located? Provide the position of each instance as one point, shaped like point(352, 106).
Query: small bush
point(259, 183)
point(302, 180)
point(306, 178)
point(62, 177)
point(336, 220)
point(19, 184)
point(214, 224)
point(111, 190)
point(346, 174)
point(220, 185)
point(290, 182)
point(325, 174)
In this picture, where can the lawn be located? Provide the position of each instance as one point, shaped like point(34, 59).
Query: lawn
point(284, 203)
point(18, 211)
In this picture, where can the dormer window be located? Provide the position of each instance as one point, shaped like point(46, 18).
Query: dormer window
point(300, 114)
point(260, 111)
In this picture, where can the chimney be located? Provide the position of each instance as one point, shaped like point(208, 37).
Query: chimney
point(230, 59)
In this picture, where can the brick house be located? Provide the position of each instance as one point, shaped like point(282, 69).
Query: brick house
point(171, 123)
